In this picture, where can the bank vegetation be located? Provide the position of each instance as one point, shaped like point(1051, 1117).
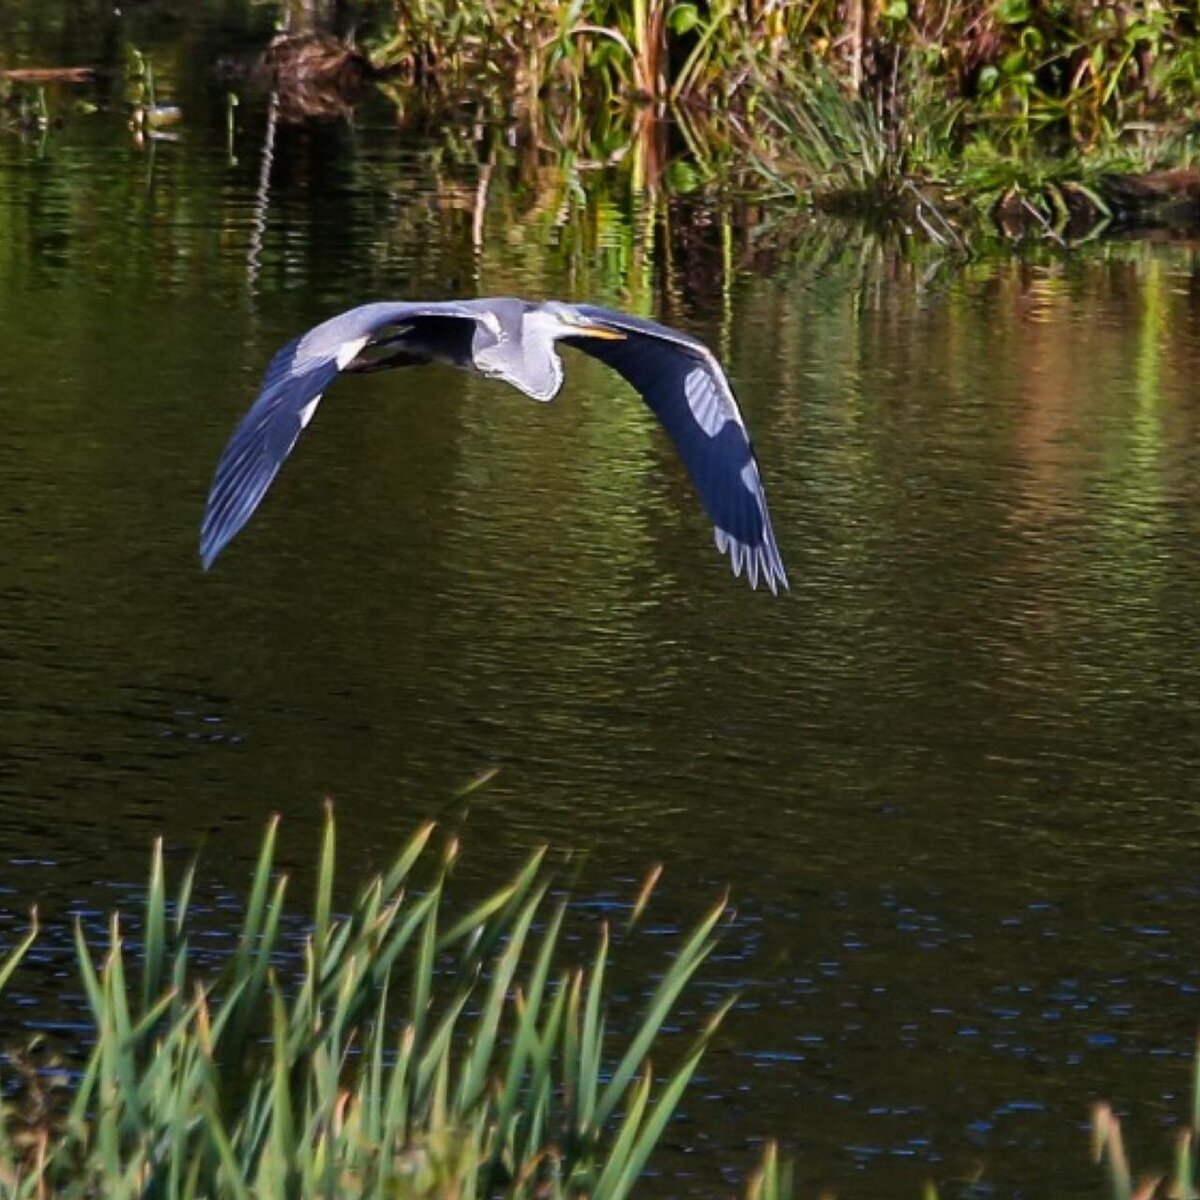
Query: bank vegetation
point(1053, 116)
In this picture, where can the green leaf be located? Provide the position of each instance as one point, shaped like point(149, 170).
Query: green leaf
point(324, 900)
point(1032, 41)
point(682, 178)
point(13, 958)
point(696, 950)
point(683, 18)
point(1013, 12)
point(1013, 63)
point(155, 937)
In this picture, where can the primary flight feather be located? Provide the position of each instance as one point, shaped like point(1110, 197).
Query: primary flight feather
point(513, 340)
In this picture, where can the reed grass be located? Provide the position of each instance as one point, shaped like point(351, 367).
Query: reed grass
point(417, 1051)
point(1083, 67)
point(1180, 1180)
point(842, 103)
point(827, 141)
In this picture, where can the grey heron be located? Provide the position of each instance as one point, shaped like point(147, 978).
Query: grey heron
point(513, 340)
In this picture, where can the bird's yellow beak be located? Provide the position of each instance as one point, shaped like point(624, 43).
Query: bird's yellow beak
point(602, 333)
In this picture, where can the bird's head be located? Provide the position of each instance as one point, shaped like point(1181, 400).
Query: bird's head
point(565, 320)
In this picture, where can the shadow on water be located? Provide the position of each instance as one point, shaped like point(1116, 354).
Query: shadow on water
point(949, 778)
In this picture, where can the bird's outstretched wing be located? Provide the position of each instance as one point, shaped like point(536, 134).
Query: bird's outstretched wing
point(292, 387)
point(682, 382)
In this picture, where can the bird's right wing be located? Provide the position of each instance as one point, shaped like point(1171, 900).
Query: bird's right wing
point(682, 382)
point(291, 389)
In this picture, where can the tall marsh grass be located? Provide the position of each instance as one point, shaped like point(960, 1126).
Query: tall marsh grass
point(858, 102)
point(417, 1050)
point(1084, 66)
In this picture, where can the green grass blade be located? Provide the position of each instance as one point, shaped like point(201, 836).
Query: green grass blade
point(284, 1123)
point(1196, 1093)
point(156, 929)
point(87, 972)
point(538, 1100)
point(231, 1181)
point(435, 1056)
point(1183, 1187)
point(256, 908)
point(395, 1108)
point(324, 899)
point(373, 1100)
point(591, 1041)
point(184, 899)
point(475, 1070)
point(664, 1108)
point(526, 1038)
point(422, 982)
point(12, 960)
point(404, 863)
point(572, 1034)
point(259, 961)
point(694, 952)
point(643, 897)
point(117, 994)
point(478, 918)
point(620, 1154)
point(398, 933)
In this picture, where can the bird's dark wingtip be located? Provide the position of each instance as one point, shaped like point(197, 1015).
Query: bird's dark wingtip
point(761, 562)
point(210, 548)
point(776, 575)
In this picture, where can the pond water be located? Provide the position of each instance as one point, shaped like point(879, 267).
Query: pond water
point(949, 780)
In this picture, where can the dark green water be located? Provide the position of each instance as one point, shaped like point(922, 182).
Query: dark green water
point(950, 779)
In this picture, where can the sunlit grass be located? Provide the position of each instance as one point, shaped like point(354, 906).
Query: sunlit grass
point(1178, 1181)
point(418, 1050)
point(901, 109)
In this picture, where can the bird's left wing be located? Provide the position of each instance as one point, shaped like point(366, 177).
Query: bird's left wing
point(682, 382)
point(291, 388)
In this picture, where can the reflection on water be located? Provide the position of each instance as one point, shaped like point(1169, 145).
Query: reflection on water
point(949, 778)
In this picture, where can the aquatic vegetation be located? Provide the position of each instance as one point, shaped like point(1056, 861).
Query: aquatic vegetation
point(1083, 66)
point(417, 1049)
point(615, 50)
point(840, 104)
point(1181, 1181)
point(828, 141)
point(853, 106)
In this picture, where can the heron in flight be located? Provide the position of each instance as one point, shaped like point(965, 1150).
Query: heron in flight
point(515, 341)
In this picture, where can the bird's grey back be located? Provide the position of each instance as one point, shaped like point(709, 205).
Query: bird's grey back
point(505, 313)
point(514, 341)
point(327, 338)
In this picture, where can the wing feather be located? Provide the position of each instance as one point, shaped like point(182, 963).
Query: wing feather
point(681, 381)
point(292, 386)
